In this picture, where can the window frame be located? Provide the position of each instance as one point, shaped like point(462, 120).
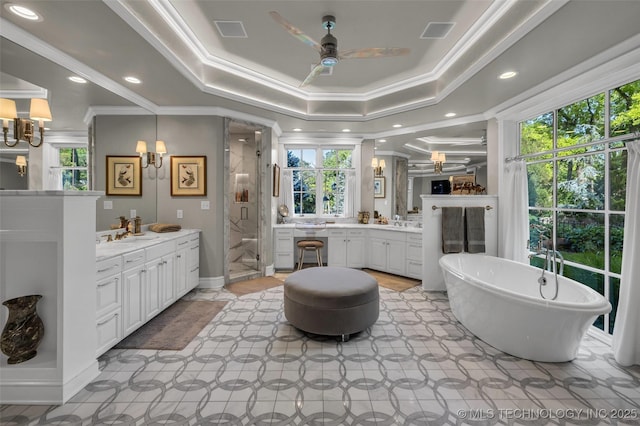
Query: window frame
point(319, 170)
point(555, 156)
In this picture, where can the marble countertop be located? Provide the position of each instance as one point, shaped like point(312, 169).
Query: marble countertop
point(412, 227)
point(106, 250)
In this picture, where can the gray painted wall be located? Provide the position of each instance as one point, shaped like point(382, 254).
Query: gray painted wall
point(183, 135)
point(9, 177)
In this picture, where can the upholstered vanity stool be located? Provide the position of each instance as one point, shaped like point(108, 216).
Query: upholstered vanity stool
point(331, 301)
point(304, 245)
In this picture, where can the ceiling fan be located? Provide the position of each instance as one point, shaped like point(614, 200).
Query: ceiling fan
point(328, 47)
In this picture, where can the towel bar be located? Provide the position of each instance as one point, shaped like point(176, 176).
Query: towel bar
point(434, 207)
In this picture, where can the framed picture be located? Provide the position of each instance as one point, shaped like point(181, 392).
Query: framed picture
point(463, 184)
point(379, 187)
point(188, 176)
point(124, 175)
point(276, 180)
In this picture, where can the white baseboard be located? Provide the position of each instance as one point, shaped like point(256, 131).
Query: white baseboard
point(211, 282)
point(270, 270)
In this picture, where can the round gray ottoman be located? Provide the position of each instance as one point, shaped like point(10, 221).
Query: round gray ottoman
point(331, 301)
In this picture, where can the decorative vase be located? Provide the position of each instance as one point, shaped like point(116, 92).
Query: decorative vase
point(24, 329)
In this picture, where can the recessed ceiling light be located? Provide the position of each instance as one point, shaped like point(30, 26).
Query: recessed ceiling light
point(297, 129)
point(346, 130)
point(397, 125)
point(450, 114)
point(77, 79)
point(507, 74)
point(382, 140)
point(133, 80)
point(23, 12)
point(242, 140)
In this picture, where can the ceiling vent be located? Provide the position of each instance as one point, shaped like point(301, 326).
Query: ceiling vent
point(231, 29)
point(437, 29)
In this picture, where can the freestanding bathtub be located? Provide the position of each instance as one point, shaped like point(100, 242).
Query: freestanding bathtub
point(498, 300)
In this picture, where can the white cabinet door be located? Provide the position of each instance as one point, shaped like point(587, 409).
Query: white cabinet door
point(109, 331)
point(180, 273)
point(337, 250)
point(167, 295)
point(133, 299)
point(396, 257)
point(355, 251)
point(378, 254)
point(153, 288)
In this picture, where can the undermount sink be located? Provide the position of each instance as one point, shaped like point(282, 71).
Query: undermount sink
point(143, 237)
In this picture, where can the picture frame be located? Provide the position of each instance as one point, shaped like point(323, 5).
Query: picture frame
point(462, 184)
point(276, 180)
point(124, 175)
point(188, 176)
point(379, 187)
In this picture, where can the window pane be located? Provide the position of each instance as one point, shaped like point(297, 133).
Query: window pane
point(581, 122)
point(617, 180)
point(81, 157)
point(581, 182)
point(540, 178)
point(625, 109)
point(336, 159)
point(541, 227)
point(580, 238)
point(334, 183)
point(293, 157)
point(614, 295)
point(308, 158)
point(74, 180)
point(304, 192)
point(536, 135)
point(616, 236)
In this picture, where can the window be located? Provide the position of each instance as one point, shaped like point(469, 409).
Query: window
point(73, 168)
point(322, 181)
point(576, 166)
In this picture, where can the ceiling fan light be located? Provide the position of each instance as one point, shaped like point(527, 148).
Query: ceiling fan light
point(328, 61)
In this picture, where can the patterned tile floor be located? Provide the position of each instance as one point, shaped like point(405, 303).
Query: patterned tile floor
point(416, 366)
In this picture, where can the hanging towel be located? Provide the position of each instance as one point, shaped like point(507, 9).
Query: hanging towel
point(452, 230)
point(474, 221)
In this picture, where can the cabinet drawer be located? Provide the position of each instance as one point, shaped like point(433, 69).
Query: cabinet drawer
point(109, 331)
point(284, 233)
point(337, 233)
point(194, 254)
point(283, 260)
point(283, 244)
point(108, 267)
point(356, 232)
point(414, 239)
point(183, 241)
point(414, 251)
point(160, 250)
point(414, 269)
point(108, 294)
point(133, 258)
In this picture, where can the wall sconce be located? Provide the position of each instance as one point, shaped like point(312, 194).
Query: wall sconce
point(378, 166)
point(154, 158)
point(438, 159)
point(23, 128)
point(21, 162)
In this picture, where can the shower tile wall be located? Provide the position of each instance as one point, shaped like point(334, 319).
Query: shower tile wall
point(243, 211)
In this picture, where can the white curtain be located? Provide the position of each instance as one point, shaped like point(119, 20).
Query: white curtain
point(514, 213)
point(626, 334)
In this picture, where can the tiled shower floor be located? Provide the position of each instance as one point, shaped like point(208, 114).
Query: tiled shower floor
point(416, 366)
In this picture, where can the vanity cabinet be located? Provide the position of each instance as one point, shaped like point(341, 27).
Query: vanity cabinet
point(414, 256)
point(108, 303)
point(387, 251)
point(137, 285)
point(283, 253)
point(347, 248)
point(133, 291)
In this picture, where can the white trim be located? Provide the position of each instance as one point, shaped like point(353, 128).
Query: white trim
point(211, 282)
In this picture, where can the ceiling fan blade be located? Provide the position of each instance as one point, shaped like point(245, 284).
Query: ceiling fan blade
point(312, 75)
point(373, 52)
point(297, 33)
